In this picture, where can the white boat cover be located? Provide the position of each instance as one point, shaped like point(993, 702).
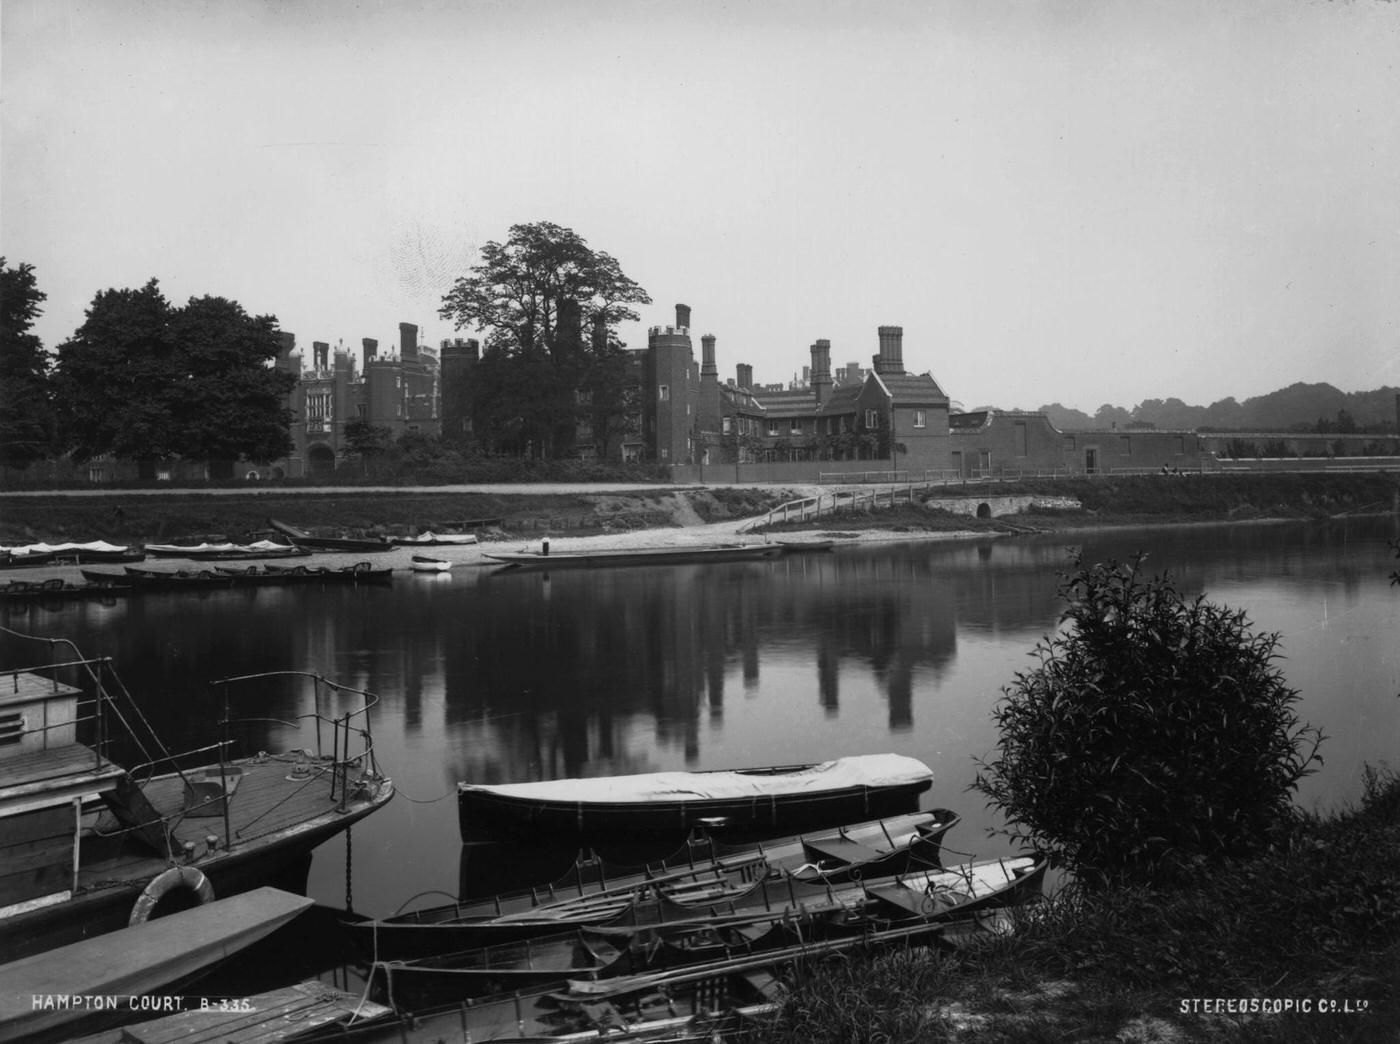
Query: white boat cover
point(257, 545)
point(44, 549)
point(869, 770)
point(441, 538)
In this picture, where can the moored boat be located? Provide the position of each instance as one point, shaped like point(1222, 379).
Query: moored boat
point(301, 538)
point(89, 553)
point(430, 539)
point(588, 896)
point(424, 564)
point(56, 588)
point(670, 804)
point(623, 556)
point(88, 845)
point(136, 960)
point(226, 552)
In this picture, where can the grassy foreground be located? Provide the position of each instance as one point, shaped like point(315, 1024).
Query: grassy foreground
point(1299, 945)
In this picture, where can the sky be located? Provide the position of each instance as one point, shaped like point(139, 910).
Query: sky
point(1081, 202)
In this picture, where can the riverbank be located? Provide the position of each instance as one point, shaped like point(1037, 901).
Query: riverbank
point(617, 515)
point(1299, 945)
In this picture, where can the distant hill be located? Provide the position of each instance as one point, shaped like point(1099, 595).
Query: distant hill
point(1297, 406)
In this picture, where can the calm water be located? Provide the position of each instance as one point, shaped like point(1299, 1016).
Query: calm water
point(517, 676)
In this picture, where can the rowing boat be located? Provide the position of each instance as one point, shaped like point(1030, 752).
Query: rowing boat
point(589, 897)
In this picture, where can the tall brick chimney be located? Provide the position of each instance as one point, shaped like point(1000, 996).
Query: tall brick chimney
point(370, 347)
point(745, 375)
point(707, 357)
point(683, 317)
point(408, 340)
point(891, 357)
point(320, 355)
point(821, 371)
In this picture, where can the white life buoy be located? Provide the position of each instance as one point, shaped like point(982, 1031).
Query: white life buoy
point(163, 883)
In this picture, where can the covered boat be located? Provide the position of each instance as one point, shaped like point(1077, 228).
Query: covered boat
point(224, 552)
point(88, 845)
point(659, 805)
point(430, 539)
point(92, 552)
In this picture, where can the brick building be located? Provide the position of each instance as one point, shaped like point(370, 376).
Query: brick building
point(395, 391)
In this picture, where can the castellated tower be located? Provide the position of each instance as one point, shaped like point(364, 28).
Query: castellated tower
point(668, 415)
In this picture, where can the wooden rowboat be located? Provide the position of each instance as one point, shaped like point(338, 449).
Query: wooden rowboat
point(589, 897)
point(660, 805)
point(424, 564)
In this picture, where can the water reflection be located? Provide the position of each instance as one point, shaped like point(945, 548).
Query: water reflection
point(498, 677)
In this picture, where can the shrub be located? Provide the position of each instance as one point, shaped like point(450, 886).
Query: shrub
point(1154, 731)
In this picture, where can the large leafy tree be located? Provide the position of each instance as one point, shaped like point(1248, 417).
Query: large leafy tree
point(148, 381)
point(532, 297)
point(26, 409)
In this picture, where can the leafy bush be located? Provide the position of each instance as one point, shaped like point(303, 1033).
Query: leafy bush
point(1155, 731)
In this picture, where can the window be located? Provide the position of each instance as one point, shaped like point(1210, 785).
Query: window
point(796, 427)
point(726, 425)
point(665, 454)
point(920, 419)
point(772, 427)
point(872, 418)
point(664, 393)
point(11, 728)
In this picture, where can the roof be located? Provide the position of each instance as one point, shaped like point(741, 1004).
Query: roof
point(842, 399)
point(909, 387)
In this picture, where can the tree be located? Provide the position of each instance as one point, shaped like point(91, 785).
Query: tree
point(532, 297)
point(1154, 730)
point(365, 439)
point(26, 407)
point(143, 380)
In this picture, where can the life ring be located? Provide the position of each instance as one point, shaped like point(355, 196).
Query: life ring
point(163, 883)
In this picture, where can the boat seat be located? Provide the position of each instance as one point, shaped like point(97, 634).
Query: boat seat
point(839, 850)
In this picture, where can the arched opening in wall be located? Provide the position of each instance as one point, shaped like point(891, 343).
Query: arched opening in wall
point(984, 510)
point(321, 460)
point(278, 473)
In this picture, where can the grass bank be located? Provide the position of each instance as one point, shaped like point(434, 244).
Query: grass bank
point(1311, 929)
point(169, 516)
point(1137, 500)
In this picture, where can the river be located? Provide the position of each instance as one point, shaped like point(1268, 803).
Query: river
point(902, 647)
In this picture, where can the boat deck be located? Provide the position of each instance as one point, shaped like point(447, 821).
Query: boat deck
point(273, 794)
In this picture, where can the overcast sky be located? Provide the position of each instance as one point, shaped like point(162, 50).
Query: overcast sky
point(1082, 202)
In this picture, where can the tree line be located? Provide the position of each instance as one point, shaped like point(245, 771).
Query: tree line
point(1316, 408)
point(145, 379)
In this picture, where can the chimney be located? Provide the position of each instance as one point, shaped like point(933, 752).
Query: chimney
point(408, 340)
point(370, 346)
point(286, 348)
point(320, 355)
point(745, 374)
point(821, 371)
point(891, 357)
point(682, 317)
point(707, 357)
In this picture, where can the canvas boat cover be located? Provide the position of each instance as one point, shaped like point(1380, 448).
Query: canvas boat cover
point(256, 546)
point(48, 549)
point(869, 770)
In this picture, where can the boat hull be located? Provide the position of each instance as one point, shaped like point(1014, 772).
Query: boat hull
point(280, 860)
point(635, 556)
